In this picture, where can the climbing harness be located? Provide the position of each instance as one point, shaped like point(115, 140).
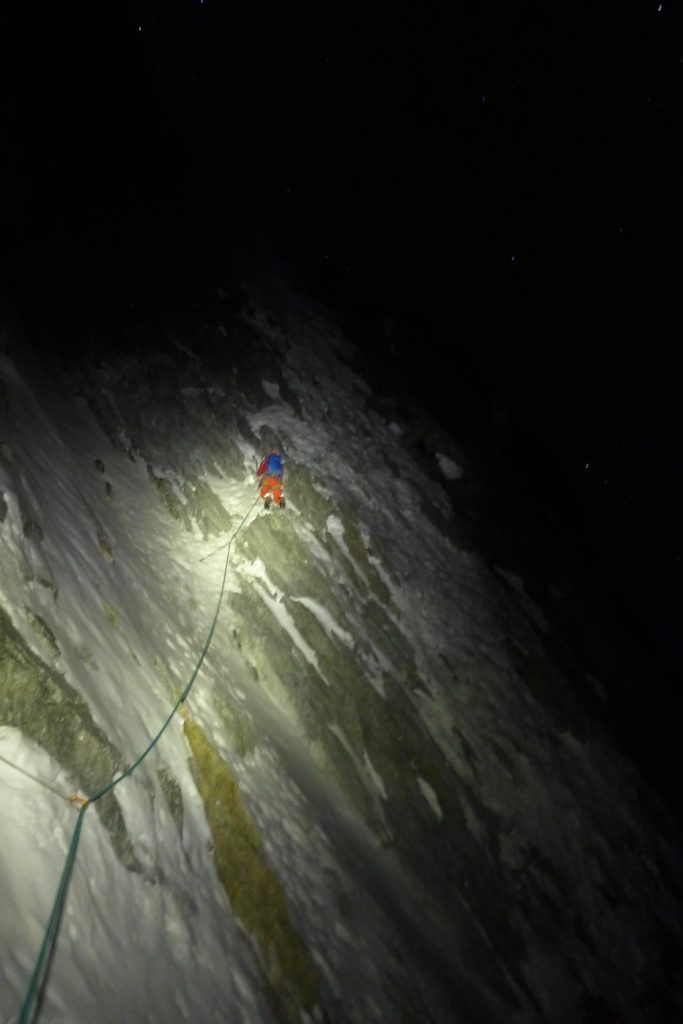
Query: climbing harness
point(44, 956)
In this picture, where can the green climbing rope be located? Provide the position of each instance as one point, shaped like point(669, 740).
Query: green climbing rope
point(46, 949)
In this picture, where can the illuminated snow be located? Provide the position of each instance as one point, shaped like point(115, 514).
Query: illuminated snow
point(447, 850)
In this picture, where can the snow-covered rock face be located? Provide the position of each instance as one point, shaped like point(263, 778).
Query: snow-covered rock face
point(375, 805)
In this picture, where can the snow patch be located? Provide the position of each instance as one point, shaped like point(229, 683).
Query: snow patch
point(430, 796)
point(335, 528)
point(272, 597)
point(325, 619)
point(374, 775)
point(598, 686)
point(287, 623)
point(450, 469)
point(271, 389)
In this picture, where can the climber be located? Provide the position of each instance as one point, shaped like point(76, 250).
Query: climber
point(271, 471)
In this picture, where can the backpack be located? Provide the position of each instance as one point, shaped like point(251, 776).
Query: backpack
point(274, 465)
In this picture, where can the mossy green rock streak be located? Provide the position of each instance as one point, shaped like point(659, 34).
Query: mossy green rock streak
point(254, 891)
point(40, 703)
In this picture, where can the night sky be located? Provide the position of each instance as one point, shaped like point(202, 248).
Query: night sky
point(497, 192)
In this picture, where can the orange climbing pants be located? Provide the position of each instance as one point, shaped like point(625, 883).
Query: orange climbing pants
point(271, 485)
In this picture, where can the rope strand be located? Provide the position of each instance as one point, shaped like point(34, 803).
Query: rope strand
point(39, 975)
